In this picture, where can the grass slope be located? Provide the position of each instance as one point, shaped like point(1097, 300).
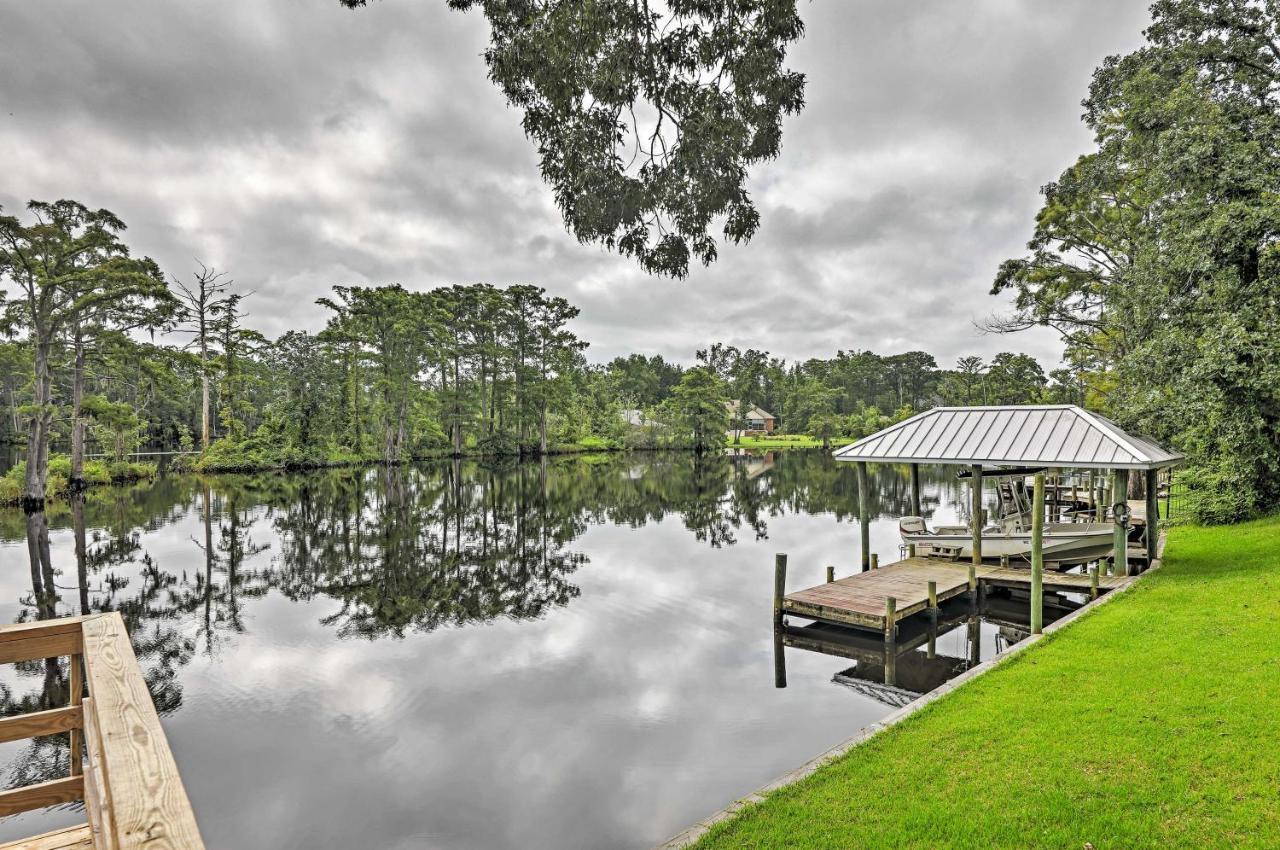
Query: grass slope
point(1154, 722)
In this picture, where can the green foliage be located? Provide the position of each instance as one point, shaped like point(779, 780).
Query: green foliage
point(1157, 257)
point(646, 118)
point(96, 473)
point(697, 409)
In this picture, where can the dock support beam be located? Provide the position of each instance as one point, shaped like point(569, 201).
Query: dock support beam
point(1120, 538)
point(890, 619)
point(975, 510)
point(1037, 556)
point(1153, 515)
point(864, 514)
point(915, 490)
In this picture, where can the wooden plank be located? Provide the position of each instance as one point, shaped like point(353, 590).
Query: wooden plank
point(35, 647)
point(16, 800)
point(149, 805)
point(71, 838)
point(97, 802)
point(38, 628)
point(35, 723)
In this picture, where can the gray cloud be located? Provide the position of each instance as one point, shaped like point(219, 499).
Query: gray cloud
point(302, 145)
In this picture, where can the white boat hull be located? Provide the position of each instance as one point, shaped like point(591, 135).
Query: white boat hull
point(1063, 543)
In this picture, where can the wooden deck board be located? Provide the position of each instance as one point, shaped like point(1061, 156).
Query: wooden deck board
point(859, 599)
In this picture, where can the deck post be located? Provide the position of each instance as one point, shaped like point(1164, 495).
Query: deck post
point(933, 597)
point(864, 514)
point(1153, 515)
point(890, 613)
point(831, 574)
point(1004, 561)
point(911, 550)
point(1119, 540)
point(1093, 582)
point(779, 587)
point(975, 512)
point(915, 489)
point(1037, 555)
point(875, 561)
point(973, 581)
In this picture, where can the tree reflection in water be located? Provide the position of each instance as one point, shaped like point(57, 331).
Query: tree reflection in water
point(400, 549)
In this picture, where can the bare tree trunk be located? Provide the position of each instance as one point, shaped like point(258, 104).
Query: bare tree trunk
point(38, 433)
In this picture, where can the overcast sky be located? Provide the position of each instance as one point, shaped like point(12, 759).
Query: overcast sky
point(299, 145)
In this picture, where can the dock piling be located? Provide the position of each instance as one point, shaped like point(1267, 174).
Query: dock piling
point(1093, 582)
point(831, 574)
point(779, 587)
point(911, 550)
point(1037, 555)
point(875, 561)
point(890, 611)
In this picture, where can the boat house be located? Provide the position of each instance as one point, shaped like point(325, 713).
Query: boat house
point(1085, 460)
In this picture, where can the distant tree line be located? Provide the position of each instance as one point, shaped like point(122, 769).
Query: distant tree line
point(394, 374)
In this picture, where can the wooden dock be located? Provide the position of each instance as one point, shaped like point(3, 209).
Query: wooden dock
point(862, 599)
point(120, 766)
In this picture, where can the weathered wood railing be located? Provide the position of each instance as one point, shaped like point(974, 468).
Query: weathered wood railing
point(121, 766)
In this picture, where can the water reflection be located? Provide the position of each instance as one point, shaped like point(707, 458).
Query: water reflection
point(567, 642)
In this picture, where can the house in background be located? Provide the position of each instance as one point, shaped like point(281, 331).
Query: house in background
point(754, 420)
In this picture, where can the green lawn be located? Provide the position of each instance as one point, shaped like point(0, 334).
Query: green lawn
point(785, 441)
point(1153, 722)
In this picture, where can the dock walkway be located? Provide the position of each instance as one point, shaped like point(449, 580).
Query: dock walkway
point(861, 599)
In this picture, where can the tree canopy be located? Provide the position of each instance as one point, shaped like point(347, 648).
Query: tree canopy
point(647, 118)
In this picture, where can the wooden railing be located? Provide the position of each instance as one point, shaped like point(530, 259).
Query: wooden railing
point(121, 766)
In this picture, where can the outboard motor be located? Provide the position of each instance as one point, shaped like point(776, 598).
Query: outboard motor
point(912, 525)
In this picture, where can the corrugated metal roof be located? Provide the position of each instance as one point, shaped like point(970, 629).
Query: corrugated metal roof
point(1060, 435)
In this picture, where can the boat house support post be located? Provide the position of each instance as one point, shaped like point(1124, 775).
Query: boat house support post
point(1119, 540)
point(1037, 556)
point(915, 490)
point(864, 514)
point(1153, 514)
point(976, 512)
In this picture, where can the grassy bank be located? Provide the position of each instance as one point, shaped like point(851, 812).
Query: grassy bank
point(96, 473)
point(785, 441)
point(1149, 723)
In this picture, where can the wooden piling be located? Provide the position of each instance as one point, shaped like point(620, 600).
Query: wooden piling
point(973, 581)
point(1037, 555)
point(1004, 561)
point(911, 550)
point(831, 574)
point(1153, 515)
point(933, 596)
point(875, 561)
point(779, 658)
point(779, 587)
point(975, 511)
point(864, 514)
point(890, 611)
point(915, 489)
point(1093, 582)
point(1120, 537)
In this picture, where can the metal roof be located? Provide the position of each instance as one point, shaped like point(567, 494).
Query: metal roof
point(1059, 435)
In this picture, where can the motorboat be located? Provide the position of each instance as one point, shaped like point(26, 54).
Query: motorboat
point(1064, 543)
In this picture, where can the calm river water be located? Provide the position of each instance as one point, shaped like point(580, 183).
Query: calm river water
point(570, 654)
